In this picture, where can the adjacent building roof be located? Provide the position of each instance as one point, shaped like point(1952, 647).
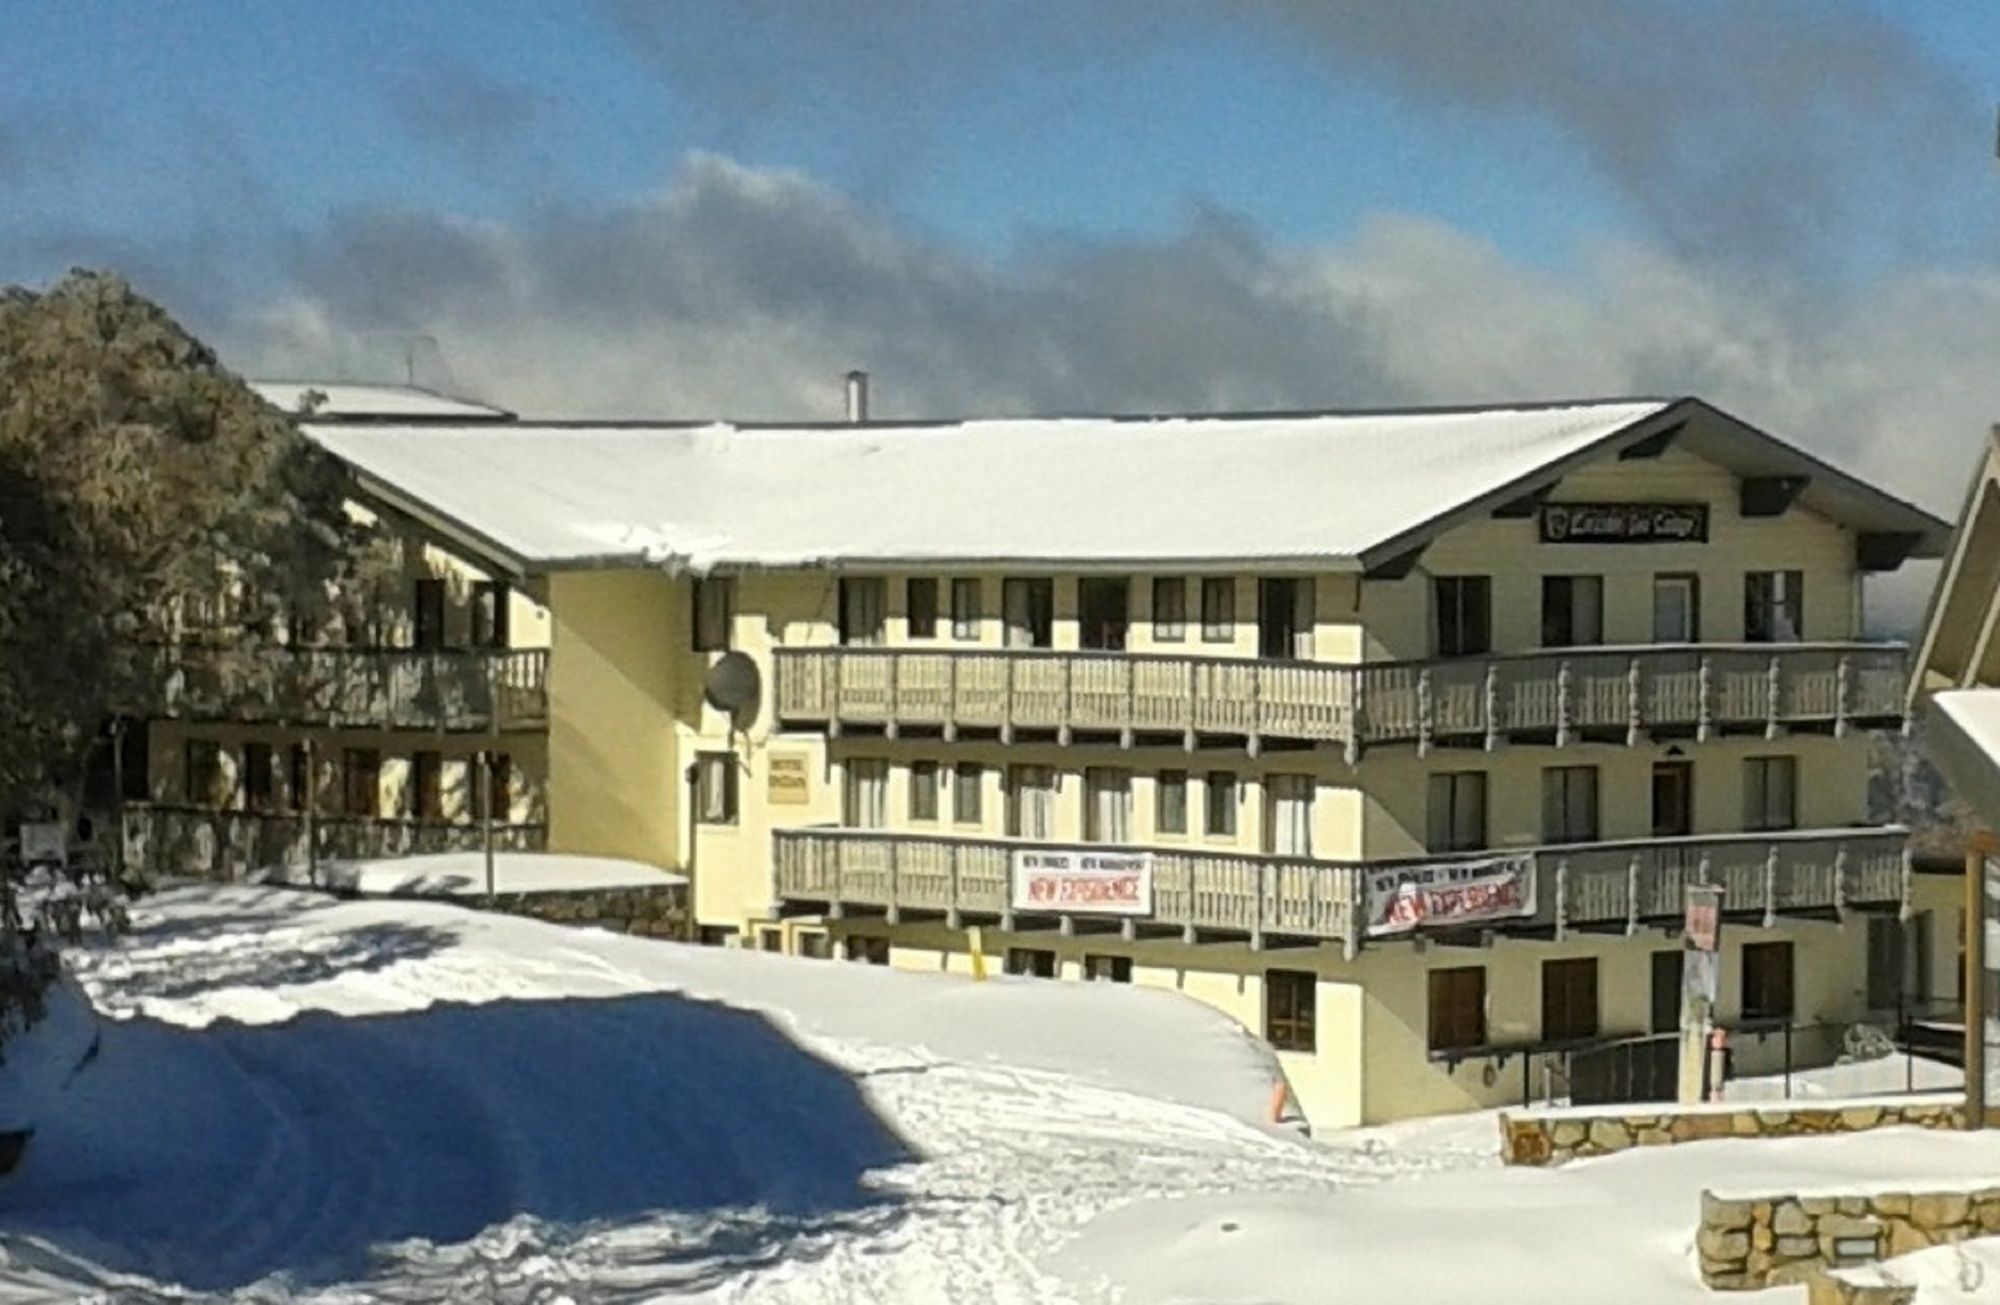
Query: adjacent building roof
point(1345, 490)
point(401, 403)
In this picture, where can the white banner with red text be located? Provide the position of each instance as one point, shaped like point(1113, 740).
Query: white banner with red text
point(1447, 894)
point(1074, 882)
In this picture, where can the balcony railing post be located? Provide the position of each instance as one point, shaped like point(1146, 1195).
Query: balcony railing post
point(1125, 732)
point(1843, 689)
point(1489, 696)
point(1565, 709)
point(1704, 693)
point(1562, 897)
point(1770, 885)
point(1632, 895)
point(1066, 704)
point(1254, 742)
point(951, 700)
point(1188, 736)
point(1424, 723)
point(1008, 665)
point(1635, 714)
point(1840, 880)
point(892, 694)
point(1773, 697)
point(1357, 722)
point(834, 704)
point(894, 913)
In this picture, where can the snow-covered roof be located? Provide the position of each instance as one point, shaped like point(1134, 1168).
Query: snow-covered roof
point(1962, 737)
point(1340, 489)
point(346, 402)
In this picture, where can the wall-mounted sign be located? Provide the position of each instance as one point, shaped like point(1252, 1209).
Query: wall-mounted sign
point(1447, 894)
point(1703, 917)
point(788, 784)
point(1624, 523)
point(1080, 883)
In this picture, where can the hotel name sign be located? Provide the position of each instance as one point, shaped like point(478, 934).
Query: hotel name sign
point(1624, 523)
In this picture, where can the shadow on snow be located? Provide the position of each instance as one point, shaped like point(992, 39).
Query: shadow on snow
point(216, 1157)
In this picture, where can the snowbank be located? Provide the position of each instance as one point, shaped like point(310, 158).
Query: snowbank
point(1887, 1075)
point(38, 1063)
point(463, 874)
point(1942, 1275)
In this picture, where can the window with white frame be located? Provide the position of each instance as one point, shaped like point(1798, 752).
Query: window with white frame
point(1456, 819)
point(1288, 815)
point(1107, 809)
point(1219, 818)
point(965, 608)
point(967, 780)
point(715, 788)
point(1031, 802)
point(864, 605)
point(1770, 793)
point(714, 607)
point(1169, 609)
point(865, 793)
point(1170, 813)
point(925, 782)
point(1569, 804)
point(1218, 609)
point(1774, 606)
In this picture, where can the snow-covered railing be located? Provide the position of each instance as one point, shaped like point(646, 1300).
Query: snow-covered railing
point(1764, 876)
point(164, 840)
point(389, 688)
point(1563, 695)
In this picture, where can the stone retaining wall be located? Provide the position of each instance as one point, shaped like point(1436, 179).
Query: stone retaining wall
point(1747, 1243)
point(1557, 1136)
point(650, 912)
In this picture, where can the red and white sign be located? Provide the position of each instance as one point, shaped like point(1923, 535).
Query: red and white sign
point(1704, 916)
point(1446, 894)
point(1083, 883)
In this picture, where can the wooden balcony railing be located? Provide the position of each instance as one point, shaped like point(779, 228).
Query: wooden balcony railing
point(1562, 694)
point(165, 840)
point(366, 687)
point(1764, 876)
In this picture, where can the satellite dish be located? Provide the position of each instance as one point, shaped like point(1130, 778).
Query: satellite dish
point(733, 685)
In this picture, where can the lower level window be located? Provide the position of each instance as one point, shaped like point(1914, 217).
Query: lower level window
point(1290, 1007)
point(1569, 999)
point(715, 788)
point(1031, 961)
point(868, 950)
point(1767, 981)
point(1108, 969)
point(1458, 1008)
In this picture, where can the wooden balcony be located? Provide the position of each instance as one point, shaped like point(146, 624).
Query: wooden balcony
point(163, 840)
point(1596, 887)
point(1558, 696)
point(377, 688)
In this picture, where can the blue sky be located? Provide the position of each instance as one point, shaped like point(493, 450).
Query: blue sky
point(170, 118)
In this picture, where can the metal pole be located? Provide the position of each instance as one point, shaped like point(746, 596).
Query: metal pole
point(118, 798)
point(486, 789)
point(486, 815)
point(1975, 978)
point(310, 801)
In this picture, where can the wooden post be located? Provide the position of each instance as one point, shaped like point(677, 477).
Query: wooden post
point(1978, 848)
point(1773, 697)
point(1700, 957)
point(1635, 715)
point(1490, 705)
point(1565, 710)
point(1425, 724)
point(1843, 691)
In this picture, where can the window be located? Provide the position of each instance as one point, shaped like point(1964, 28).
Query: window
point(298, 782)
point(1770, 793)
point(1767, 981)
point(1170, 802)
point(1456, 821)
point(925, 781)
point(920, 605)
point(1288, 815)
point(1774, 606)
point(500, 787)
point(1290, 1003)
point(1667, 990)
point(865, 793)
point(869, 949)
point(812, 944)
point(1458, 1008)
point(1101, 612)
point(965, 609)
point(715, 788)
point(1464, 614)
point(1673, 799)
point(1107, 805)
point(1031, 802)
point(1284, 618)
point(966, 779)
point(258, 777)
point(202, 777)
point(1569, 804)
point(1108, 969)
point(1676, 608)
point(427, 786)
point(361, 782)
point(1899, 961)
point(1572, 610)
point(717, 935)
point(1169, 609)
point(489, 614)
point(864, 605)
point(427, 614)
point(714, 602)
point(1569, 999)
point(1218, 609)
point(1221, 804)
point(1028, 605)
point(1031, 962)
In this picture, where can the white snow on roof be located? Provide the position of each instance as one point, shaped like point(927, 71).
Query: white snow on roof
point(1963, 739)
point(463, 874)
point(1186, 489)
point(389, 402)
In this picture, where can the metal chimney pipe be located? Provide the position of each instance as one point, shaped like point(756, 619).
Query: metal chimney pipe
point(857, 396)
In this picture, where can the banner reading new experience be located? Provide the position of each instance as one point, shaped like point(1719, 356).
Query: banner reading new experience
point(1445, 894)
point(1076, 882)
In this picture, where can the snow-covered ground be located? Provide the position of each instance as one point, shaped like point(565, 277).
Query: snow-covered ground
point(298, 1098)
point(463, 874)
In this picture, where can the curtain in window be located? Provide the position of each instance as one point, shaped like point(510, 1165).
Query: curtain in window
point(1107, 816)
point(1288, 819)
point(867, 792)
point(1031, 802)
